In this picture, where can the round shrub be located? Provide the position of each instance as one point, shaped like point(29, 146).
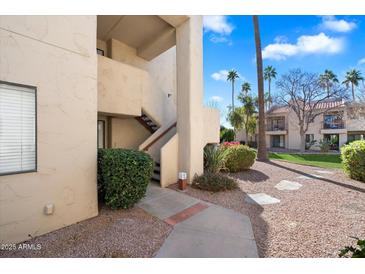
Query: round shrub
point(123, 176)
point(214, 182)
point(353, 159)
point(239, 158)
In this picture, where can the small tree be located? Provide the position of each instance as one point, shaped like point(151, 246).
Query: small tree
point(302, 93)
point(236, 118)
point(249, 110)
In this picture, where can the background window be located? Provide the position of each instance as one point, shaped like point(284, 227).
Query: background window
point(17, 128)
point(101, 134)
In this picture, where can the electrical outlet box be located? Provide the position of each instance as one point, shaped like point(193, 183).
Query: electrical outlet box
point(49, 209)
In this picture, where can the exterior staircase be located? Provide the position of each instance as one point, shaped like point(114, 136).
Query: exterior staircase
point(147, 122)
point(156, 176)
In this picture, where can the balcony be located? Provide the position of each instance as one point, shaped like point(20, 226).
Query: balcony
point(276, 126)
point(333, 127)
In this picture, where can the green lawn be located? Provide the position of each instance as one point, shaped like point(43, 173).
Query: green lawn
point(319, 160)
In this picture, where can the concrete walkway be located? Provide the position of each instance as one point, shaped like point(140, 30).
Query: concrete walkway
point(200, 229)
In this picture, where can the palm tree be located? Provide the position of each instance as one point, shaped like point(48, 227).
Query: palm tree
point(269, 73)
point(327, 79)
point(261, 151)
point(245, 88)
point(232, 76)
point(353, 76)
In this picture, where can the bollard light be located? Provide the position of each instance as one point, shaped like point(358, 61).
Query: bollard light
point(183, 182)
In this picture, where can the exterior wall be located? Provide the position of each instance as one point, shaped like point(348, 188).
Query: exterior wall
point(120, 87)
point(169, 162)
point(62, 65)
point(155, 149)
point(211, 125)
point(189, 56)
point(159, 91)
point(293, 130)
point(127, 133)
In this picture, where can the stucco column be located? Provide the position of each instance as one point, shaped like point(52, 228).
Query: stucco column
point(189, 62)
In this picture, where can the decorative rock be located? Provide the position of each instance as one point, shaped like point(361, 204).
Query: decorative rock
point(324, 172)
point(261, 199)
point(304, 177)
point(288, 185)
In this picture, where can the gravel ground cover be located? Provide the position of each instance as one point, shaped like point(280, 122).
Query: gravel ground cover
point(113, 233)
point(316, 220)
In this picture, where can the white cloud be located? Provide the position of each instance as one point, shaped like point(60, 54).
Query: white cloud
point(333, 24)
point(361, 61)
point(281, 39)
point(218, 39)
point(217, 24)
point(222, 75)
point(306, 44)
point(216, 99)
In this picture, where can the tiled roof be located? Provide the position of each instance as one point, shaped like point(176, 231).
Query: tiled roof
point(322, 105)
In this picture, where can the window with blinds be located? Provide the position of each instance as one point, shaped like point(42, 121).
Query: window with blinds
point(17, 128)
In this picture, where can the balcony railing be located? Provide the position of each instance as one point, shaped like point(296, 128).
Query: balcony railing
point(334, 125)
point(275, 127)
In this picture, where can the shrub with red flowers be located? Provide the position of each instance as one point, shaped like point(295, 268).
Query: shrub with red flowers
point(228, 144)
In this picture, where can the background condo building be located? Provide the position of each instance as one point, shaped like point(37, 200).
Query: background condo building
point(338, 124)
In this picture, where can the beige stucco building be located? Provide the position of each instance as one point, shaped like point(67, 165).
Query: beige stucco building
point(71, 84)
point(338, 124)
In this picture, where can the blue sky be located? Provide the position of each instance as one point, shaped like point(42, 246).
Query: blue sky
point(313, 43)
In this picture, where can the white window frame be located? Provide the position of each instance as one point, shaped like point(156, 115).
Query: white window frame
point(34, 88)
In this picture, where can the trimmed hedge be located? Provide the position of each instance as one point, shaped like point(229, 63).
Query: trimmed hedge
point(214, 182)
point(353, 160)
point(240, 158)
point(123, 176)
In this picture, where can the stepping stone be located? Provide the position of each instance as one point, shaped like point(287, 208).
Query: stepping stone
point(324, 172)
point(288, 185)
point(304, 177)
point(261, 199)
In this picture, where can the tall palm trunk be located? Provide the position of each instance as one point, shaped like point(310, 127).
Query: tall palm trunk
point(269, 104)
point(353, 91)
point(262, 153)
point(233, 95)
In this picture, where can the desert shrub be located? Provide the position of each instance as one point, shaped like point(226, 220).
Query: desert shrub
point(356, 252)
point(123, 176)
point(353, 159)
point(214, 182)
point(239, 158)
point(214, 158)
point(324, 145)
